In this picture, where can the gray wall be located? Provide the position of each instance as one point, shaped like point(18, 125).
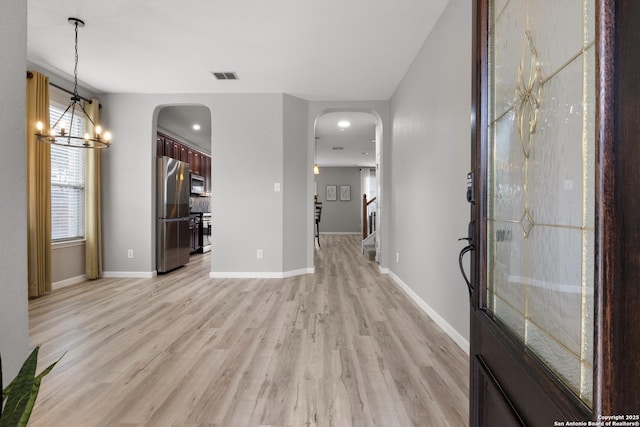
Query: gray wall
point(431, 146)
point(296, 199)
point(247, 161)
point(14, 321)
point(340, 216)
point(68, 264)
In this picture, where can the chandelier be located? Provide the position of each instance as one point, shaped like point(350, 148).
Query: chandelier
point(75, 111)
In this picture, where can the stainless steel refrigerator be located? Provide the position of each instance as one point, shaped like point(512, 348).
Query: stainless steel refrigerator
point(173, 188)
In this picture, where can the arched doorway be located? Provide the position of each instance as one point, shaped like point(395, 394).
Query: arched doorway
point(347, 150)
point(183, 142)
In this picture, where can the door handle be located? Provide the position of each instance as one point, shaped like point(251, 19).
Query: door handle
point(464, 250)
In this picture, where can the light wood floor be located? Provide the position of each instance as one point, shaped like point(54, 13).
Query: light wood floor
point(342, 347)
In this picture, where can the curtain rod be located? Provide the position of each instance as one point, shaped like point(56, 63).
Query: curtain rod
point(30, 75)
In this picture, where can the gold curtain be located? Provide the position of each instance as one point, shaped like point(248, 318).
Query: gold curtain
point(38, 187)
point(93, 237)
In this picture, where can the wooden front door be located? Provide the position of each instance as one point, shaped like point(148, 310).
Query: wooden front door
point(555, 214)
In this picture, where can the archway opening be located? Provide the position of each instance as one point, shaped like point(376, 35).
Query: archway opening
point(347, 152)
point(183, 232)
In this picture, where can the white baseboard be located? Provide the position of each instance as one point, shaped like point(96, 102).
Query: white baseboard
point(68, 282)
point(259, 275)
point(129, 274)
point(383, 270)
point(440, 321)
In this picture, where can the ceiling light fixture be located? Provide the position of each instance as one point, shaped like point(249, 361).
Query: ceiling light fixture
point(196, 127)
point(58, 134)
point(344, 124)
point(316, 169)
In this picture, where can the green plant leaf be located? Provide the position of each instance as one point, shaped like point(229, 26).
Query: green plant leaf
point(24, 419)
point(1, 387)
point(21, 394)
point(6, 390)
point(19, 391)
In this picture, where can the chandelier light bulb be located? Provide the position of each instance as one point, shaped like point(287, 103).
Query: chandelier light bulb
point(98, 130)
point(39, 126)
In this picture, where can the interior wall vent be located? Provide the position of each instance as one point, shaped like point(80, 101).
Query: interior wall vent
point(225, 75)
point(337, 148)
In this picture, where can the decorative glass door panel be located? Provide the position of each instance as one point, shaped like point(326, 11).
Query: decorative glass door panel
point(540, 209)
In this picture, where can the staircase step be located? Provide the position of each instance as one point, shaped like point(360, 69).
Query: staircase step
point(370, 252)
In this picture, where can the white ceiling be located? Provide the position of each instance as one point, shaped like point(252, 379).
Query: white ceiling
point(178, 121)
point(357, 141)
point(313, 49)
point(353, 50)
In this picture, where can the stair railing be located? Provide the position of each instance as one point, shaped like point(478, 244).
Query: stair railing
point(368, 222)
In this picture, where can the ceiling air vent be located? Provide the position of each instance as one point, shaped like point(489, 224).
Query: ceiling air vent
point(337, 148)
point(225, 75)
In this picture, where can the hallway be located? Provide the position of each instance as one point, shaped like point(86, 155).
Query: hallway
point(341, 347)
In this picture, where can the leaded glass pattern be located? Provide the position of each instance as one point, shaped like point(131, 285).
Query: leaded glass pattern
point(541, 186)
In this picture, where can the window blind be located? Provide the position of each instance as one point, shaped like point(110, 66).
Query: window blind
point(67, 181)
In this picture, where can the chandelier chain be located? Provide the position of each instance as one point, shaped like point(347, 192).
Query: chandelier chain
point(75, 68)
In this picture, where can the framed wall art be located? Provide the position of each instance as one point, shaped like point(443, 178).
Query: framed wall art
point(331, 192)
point(345, 192)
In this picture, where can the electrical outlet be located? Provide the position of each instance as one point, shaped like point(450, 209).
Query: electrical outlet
point(397, 256)
point(276, 187)
point(259, 254)
point(130, 253)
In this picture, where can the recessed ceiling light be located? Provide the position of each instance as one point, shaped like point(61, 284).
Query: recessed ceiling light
point(196, 127)
point(364, 153)
point(344, 124)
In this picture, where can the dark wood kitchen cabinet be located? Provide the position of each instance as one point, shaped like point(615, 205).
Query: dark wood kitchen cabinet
point(190, 152)
point(199, 163)
point(159, 145)
point(168, 147)
point(184, 154)
point(197, 160)
point(177, 148)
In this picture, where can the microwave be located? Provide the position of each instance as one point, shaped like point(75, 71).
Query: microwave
point(197, 184)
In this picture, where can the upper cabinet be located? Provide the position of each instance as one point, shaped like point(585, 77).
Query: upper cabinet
point(199, 163)
point(196, 166)
point(159, 145)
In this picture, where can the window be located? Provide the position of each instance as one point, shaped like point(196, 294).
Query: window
point(67, 181)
